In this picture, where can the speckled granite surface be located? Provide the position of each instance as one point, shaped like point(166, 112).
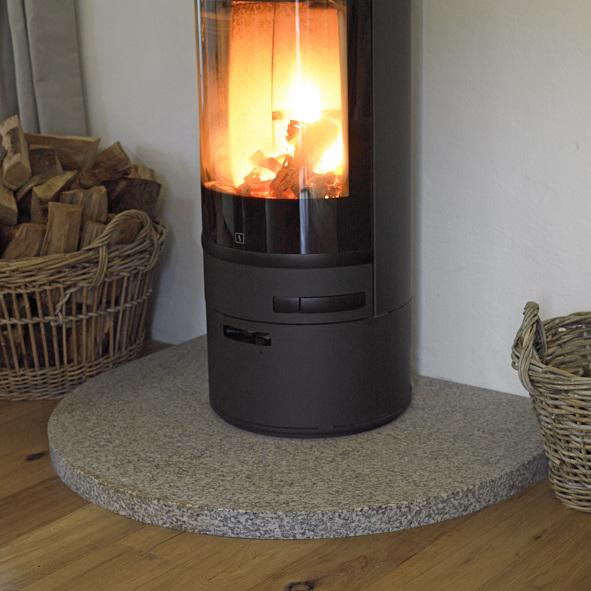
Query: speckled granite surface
point(142, 441)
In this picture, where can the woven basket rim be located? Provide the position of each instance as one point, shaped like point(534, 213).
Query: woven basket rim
point(537, 367)
point(87, 254)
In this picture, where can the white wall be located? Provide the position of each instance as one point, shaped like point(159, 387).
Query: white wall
point(138, 59)
point(504, 154)
point(504, 204)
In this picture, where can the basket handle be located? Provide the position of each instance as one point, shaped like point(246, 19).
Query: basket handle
point(530, 334)
point(101, 243)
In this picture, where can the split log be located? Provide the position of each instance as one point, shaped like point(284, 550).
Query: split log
point(94, 203)
point(129, 193)
point(63, 228)
point(16, 167)
point(139, 171)
point(90, 232)
point(50, 190)
point(8, 207)
point(24, 196)
point(44, 193)
point(44, 161)
point(74, 152)
point(111, 164)
point(26, 241)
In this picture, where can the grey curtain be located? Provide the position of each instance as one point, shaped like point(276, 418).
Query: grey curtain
point(40, 66)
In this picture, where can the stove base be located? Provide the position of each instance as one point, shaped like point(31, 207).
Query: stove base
point(307, 381)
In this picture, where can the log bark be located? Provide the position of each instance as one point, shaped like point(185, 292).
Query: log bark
point(63, 228)
point(74, 152)
point(26, 241)
point(111, 164)
point(8, 207)
point(129, 193)
point(44, 161)
point(16, 167)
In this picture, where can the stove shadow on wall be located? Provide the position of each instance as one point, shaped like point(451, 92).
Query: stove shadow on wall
point(306, 171)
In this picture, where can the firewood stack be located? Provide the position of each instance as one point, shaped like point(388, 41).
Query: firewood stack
point(58, 193)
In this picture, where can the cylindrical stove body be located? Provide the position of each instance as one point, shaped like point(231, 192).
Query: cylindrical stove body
point(306, 163)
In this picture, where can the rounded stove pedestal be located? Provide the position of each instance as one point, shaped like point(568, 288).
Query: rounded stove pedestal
point(142, 441)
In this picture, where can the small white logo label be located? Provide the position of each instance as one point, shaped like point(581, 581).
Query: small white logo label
point(239, 237)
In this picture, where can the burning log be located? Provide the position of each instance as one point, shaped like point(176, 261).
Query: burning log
point(286, 184)
point(313, 141)
point(259, 160)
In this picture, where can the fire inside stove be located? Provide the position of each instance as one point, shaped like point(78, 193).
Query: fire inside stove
point(274, 99)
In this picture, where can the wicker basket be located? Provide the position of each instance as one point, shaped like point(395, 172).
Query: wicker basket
point(67, 318)
point(554, 363)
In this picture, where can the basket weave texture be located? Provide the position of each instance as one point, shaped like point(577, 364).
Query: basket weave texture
point(67, 318)
point(553, 359)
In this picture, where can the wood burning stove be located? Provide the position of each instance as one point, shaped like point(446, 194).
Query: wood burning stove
point(305, 161)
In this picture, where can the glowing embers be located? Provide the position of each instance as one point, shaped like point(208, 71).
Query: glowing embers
point(311, 166)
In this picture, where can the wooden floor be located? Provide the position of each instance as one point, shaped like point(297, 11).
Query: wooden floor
point(52, 540)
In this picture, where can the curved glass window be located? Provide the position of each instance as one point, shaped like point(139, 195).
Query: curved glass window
point(275, 126)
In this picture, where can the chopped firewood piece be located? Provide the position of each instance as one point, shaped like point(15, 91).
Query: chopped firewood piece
point(44, 161)
point(25, 242)
point(126, 232)
point(29, 185)
point(63, 228)
point(114, 159)
point(90, 232)
point(94, 203)
point(37, 210)
point(139, 171)
point(129, 193)
point(2, 152)
point(49, 190)
point(111, 164)
point(74, 152)
point(8, 207)
point(16, 167)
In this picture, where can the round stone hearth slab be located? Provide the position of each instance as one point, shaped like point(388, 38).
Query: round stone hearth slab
point(143, 442)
